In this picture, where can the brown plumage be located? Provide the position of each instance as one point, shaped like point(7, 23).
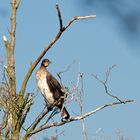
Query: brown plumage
point(51, 89)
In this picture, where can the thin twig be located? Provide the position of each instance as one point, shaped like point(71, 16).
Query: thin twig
point(78, 18)
point(27, 106)
point(4, 121)
point(54, 112)
point(86, 17)
point(108, 73)
point(80, 102)
point(65, 70)
point(105, 83)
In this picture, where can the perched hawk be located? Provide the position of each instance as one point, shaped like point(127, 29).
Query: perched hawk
point(51, 89)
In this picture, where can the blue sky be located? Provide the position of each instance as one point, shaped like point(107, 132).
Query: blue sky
point(96, 44)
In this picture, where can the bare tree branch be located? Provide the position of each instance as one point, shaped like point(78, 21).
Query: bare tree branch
point(28, 101)
point(80, 103)
point(60, 17)
point(105, 83)
point(4, 122)
point(86, 17)
point(65, 70)
point(61, 30)
point(108, 73)
point(42, 115)
point(78, 18)
point(38, 119)
point(55, 124)
point(10, 47)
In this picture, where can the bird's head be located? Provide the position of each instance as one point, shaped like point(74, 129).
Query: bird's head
point(45, 63)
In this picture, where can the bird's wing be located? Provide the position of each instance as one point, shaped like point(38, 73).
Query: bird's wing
point(54, 86)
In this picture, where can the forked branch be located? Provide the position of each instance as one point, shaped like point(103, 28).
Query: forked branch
point(61, 30)
point(42, 115)
point(65, 70)
point(104, 82)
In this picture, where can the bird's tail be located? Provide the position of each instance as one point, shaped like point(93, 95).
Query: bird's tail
point(64, 113)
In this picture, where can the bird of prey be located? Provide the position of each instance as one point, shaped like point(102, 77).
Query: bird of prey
point(51, 89)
